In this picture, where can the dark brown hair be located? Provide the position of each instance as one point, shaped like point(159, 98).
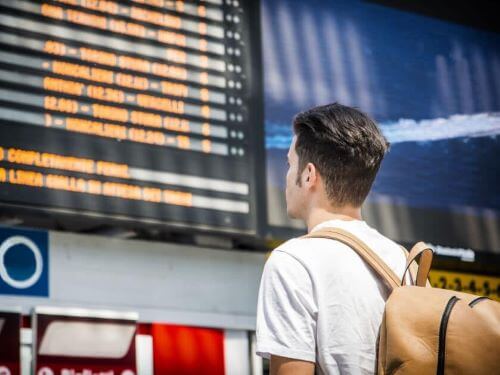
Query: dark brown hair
point(345, 146)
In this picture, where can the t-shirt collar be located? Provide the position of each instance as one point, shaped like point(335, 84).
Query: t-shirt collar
point(338, 223)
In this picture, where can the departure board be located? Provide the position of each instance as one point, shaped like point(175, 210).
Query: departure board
point(139, 109)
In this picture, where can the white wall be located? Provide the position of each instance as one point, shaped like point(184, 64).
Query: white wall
point(162, 282)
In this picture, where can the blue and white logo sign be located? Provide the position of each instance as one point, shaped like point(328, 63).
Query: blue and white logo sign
point(24, 262)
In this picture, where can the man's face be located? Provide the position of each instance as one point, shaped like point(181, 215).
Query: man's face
point(295, 192)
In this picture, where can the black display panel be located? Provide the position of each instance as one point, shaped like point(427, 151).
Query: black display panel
point(138, 110)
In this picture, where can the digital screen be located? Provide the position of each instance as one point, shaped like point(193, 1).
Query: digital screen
point(433, 87)
point(129, 109)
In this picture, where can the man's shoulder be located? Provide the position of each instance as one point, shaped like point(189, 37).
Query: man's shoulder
point(286, 265)
point(289, 249)
point(289, 245)
point(298, 246)
point(304, 249)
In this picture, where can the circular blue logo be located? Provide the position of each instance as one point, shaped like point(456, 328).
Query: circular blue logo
point(15, 244)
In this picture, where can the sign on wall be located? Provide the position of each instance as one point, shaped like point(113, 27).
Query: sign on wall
point(10, 331)
point(83, 342)
point(187, 350)
point(24, 262)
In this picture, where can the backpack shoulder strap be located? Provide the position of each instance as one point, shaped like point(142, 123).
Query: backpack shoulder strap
point(367, 254)
point(425, 253)
point(412, 270)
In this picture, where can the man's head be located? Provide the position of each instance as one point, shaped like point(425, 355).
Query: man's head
point(333, 159)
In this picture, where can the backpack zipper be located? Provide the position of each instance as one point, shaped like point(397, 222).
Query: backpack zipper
point(442, 333)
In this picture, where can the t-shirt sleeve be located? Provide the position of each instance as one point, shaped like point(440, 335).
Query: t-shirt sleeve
point(286, 310)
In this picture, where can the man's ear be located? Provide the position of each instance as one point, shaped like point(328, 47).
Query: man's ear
point(311, 175)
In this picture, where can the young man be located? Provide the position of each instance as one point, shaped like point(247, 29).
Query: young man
point(320, 306)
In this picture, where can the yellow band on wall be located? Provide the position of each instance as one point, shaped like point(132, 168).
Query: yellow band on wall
point(481, 285)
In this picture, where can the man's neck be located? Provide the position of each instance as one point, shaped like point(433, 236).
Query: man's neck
point(320, 215)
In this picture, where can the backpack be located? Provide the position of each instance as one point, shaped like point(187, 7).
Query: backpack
point(428, 330)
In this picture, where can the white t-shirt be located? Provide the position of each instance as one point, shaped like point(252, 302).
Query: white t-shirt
point(319, 301)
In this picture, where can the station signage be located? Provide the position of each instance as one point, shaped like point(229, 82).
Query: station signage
point(10, 349)
point(83, 342)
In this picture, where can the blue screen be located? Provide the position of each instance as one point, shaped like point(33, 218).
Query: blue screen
point(432, 86)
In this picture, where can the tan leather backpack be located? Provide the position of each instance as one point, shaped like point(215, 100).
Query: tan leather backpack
point(428, 330)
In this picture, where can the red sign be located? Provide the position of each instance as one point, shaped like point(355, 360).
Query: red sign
point(10, 348)
point(84, 342)
point(187, 350)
